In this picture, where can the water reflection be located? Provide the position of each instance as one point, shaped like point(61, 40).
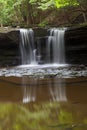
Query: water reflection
point(52, 89)
point(29, 92)
point(64, 106)
point(57, 90)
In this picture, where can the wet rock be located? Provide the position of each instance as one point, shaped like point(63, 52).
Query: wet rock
point(75, 46)
point(9, 48)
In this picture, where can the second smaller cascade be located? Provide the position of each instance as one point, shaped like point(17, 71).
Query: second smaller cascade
point(27, 47)
point(56, 47)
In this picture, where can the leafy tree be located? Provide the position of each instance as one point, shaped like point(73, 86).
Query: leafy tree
point(63, 3)
point(78, 6)
point(7, 12)
point(36, 11)
point(83, 8)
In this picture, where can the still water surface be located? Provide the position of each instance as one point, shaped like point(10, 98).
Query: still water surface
point(43, 104)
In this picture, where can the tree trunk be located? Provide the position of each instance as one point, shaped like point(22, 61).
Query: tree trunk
point(67, 16)
point(83, 13)
point(85, 20)
point(29, 15)
point(2, 25)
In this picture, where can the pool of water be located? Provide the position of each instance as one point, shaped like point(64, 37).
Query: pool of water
point(43, 103)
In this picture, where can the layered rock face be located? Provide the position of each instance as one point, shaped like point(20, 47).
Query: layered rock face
point(75, 46)
point(9, 49)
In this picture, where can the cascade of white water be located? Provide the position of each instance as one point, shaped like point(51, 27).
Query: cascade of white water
point(48, 49)
point(55, 51)
point(57, 43)
point(27, 48)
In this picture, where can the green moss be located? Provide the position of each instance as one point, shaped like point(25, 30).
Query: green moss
point(65, 117)
point(20, 117)
point(46, 116)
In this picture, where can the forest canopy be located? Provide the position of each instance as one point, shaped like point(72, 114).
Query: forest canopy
point(42, 12)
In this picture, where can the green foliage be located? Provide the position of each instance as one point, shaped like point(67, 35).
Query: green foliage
point(42, 116)
point(6, 11)
point(65, 117)
point(31, 11)
point(63, 3)
point(43, 23)
point(46, 4)
point(19, 117)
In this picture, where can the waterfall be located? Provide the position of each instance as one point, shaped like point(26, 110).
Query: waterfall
point(56, 42)
point(27, 48)
point(53, 52)
point(48, 51)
